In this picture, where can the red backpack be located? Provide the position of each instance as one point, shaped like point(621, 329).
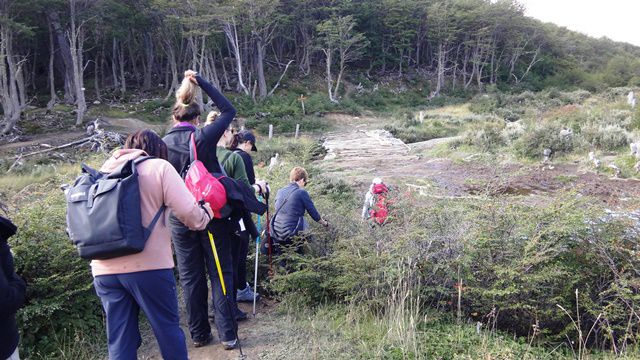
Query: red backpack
point(203, 185)
point(379, 212)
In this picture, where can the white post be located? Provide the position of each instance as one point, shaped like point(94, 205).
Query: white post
point(297, 130)
point(270, 131)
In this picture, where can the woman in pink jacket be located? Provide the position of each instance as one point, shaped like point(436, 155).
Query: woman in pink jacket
point(145, 280)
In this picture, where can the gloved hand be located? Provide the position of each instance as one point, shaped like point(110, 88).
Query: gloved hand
point(262, 187)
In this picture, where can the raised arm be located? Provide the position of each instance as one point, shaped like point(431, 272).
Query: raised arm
point(216, 129)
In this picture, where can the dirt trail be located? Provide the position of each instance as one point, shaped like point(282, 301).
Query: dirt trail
point(267, 336)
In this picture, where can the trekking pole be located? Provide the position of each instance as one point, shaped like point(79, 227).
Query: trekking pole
point(224, 292)
point(255, 273)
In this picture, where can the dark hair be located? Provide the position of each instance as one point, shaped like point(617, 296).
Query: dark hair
point(148, 141)
point(234, 142)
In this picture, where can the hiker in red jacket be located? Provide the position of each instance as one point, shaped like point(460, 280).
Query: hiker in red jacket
point(375, 203)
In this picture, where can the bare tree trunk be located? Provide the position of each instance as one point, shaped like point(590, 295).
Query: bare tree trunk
point(171, 57)
point(149, 63)
point(262, 83)
point(440, 70)
point(328, 53)
point(76, 41)
point(96, 74)
point(22, 91)
point(133, 60)
point(65, 54)
point(8, 90)
point(339, 79)
point(280, 79)
point(52, 87)
point(224, 70)
point(123, 80)
point(114, 59)
point(232, 34)
point(214, 71)
point(534, 60)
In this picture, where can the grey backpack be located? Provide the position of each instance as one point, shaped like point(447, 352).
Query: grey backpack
point(103, 212)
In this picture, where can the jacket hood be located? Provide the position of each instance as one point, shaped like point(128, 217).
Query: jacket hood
point(120, 157)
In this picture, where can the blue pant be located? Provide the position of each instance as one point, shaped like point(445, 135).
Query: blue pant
point(123, 295)
point(195, 260)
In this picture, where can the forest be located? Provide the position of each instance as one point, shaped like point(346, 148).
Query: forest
point(513, 204)
point(81, 51)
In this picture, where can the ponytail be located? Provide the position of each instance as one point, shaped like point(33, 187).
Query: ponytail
point(186, 108)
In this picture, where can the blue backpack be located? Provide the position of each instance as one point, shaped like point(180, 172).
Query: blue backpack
point(103, 212)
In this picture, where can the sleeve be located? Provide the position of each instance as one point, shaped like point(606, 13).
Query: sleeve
point(248, 166)
point(308, 205)
point(12, 288)
point(213, 132)
point(180, 201)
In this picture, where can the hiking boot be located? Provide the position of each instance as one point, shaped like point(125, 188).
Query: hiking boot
point(230, 345)
point(203, 342)
point(246, 294)
point(241, 315)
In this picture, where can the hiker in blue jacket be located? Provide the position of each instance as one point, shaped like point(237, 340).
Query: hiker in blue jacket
point(12, 294)
point(292, 201)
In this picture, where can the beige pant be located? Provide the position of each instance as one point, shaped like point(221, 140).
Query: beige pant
point(14, 356)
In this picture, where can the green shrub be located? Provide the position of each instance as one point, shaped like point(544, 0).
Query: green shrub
point(485, 136)
point(546, 136)
point(61, 302)
point(485, 104)
point(609, 137)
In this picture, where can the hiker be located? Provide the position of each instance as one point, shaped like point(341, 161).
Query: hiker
point(192, 248)
point(12, 294)
point(292, 201)
point(145, 280)
point(234, 166)
point(243, 143)
point(375, 203)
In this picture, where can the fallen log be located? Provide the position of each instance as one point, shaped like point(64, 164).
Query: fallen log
point(77, 142)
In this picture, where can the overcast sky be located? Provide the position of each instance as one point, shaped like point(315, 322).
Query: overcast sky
point(615, 19)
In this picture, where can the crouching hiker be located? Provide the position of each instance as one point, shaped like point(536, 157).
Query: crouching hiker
point(375, 208)
point(292, 201)
point(145, 280)
point(12, 294)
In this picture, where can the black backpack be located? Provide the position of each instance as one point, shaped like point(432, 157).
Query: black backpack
point(103, 212)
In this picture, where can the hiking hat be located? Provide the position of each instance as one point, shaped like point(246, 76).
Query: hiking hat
point(376, 181)
point(247, 135)
point(7, 228)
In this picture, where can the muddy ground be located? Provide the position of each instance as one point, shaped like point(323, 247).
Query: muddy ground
point(361, 151)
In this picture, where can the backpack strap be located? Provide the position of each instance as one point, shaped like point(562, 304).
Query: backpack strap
point(273, 218)
point(193, 151)
point(148, 230)
point(226, 158)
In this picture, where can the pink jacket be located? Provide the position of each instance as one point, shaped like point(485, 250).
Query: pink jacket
point(159, 184)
